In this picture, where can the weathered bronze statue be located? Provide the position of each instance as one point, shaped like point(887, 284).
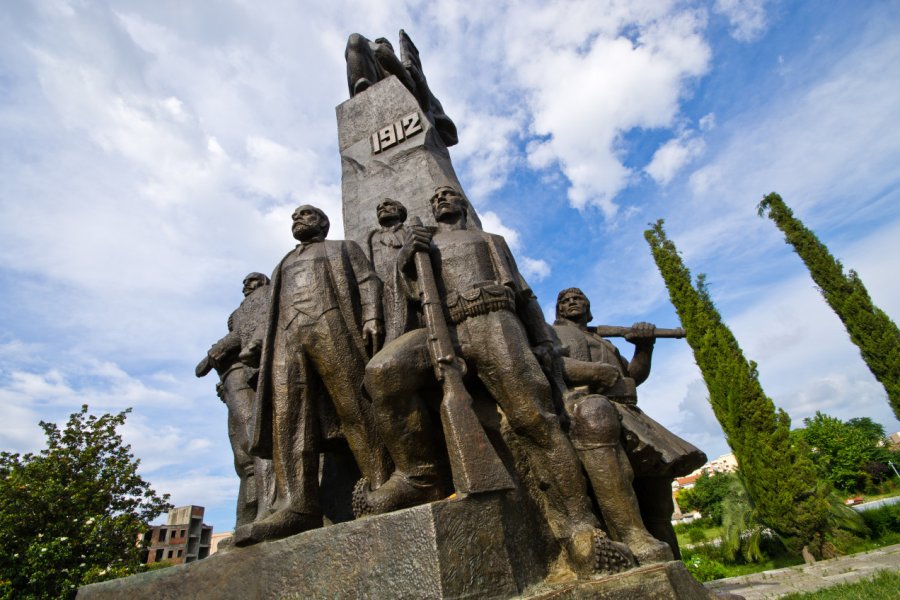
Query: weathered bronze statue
point(325, 318)
point(498, 329)
point(369, 62)
point(383, 247)
point(604, 429)
point(237, 389)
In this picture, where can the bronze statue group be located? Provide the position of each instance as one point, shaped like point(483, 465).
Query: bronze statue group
point(352, 381)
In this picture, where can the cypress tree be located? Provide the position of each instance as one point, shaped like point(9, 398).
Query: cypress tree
point(777, 472)
point(876, 336)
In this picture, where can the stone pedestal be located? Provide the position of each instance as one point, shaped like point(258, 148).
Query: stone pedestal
point(389, 149)
point(655, 582)
point(471, 548)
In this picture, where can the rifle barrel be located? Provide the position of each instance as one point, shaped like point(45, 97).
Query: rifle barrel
point(617, 331)
point(474, 464)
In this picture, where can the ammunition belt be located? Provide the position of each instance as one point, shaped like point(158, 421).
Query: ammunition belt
point(479, 301)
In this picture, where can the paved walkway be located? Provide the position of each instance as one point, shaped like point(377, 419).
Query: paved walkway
point(808, 578)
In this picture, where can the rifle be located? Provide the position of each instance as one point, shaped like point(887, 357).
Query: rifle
point(474, 463)
point(616, 331)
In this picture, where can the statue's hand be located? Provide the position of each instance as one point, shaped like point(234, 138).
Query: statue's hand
point(418, 239)
point(252, 354)
point(604, 375)
point(373, 333)
point(642, 334)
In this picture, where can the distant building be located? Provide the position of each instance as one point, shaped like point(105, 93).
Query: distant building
point(894, 441)
point(183, 539)
point(686, 482)
point(727, 463)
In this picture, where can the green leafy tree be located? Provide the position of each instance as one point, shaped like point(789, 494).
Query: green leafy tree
point(876, 336)
point(707, 495)
point(845, 452)
point(72, 513)
point(779, 476)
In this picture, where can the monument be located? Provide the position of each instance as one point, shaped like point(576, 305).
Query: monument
point(407, 373)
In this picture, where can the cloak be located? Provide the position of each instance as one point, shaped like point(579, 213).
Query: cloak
point(358, 292)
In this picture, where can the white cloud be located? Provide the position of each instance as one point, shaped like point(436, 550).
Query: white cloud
point(596, 84)
point(672, 156)
point(534, 269)
point(216, 493)
point(747, 17)
point(490, 222)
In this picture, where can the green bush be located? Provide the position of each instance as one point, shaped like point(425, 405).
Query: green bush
point(695, 531)
point(883, 520)
point(696, 535)
point(702, 567)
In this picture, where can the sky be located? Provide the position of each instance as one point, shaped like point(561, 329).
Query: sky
point(151, 153)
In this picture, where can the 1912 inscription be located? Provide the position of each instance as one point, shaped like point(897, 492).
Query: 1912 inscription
point(396, 132)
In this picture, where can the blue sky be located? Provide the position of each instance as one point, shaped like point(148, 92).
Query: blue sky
point(152, 152)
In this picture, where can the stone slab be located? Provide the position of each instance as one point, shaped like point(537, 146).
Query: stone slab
point(406, 170)
point(470, 548)
point(654, 582)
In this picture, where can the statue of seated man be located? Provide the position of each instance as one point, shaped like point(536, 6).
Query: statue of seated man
point(497, 328)
point(602, 426)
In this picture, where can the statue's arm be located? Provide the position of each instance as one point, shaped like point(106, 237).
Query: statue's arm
point(367, 282)
point(527, 306)
point(642, 336)
point(224, 352)
point(599, 376)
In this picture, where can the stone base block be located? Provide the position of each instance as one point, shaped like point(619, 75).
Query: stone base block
point(654, 582)
point(470, 548)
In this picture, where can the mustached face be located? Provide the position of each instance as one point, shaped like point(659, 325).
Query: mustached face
point(308, 222)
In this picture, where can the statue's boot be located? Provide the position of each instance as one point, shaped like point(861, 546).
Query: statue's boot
point(399, 491)
point(591, 551)
point(281, 524)
point(610, 474)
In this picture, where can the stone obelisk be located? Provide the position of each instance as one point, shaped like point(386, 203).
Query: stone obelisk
point(389, 149)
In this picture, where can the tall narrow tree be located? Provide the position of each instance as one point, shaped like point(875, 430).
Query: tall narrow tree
point(869, 327)
point(779, 476)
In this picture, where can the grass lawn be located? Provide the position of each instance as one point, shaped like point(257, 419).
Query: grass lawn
point(888, 539)
point(778, 562)
point(708, 533)
point(881, 586)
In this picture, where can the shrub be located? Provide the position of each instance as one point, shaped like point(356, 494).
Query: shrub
point(702, 567)
point(883, 520)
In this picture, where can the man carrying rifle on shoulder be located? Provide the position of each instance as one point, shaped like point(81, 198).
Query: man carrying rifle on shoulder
point(630, 458)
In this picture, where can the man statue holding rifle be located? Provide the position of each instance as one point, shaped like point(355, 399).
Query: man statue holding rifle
point(496, 334)
point(606, 426)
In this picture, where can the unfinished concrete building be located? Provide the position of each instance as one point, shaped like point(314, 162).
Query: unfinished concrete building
point(183, 539)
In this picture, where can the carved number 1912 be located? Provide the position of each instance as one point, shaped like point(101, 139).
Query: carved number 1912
point(396, 132)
